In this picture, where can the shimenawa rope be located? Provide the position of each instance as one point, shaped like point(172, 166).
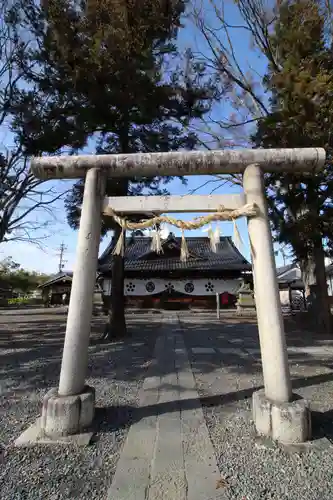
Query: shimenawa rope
point(222, 214)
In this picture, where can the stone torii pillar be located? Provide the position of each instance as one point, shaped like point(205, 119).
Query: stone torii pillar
point(75, 354)
point(276, 411)
point(69, 408)
point(270, 320)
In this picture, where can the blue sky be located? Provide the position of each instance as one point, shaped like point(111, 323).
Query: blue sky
point(46, 260)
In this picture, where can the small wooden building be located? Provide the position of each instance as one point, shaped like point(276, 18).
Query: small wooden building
point(59, 285)
point(53, 289)
point(163, 280)
point(292, 293)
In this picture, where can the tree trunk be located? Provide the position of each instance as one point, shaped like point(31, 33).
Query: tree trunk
point(314, 278)
point(117, 323)
point(116, 327)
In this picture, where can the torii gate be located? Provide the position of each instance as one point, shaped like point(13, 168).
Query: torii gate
point(69, 409)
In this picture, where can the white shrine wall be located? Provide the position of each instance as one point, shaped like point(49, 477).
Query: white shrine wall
point(195, 287)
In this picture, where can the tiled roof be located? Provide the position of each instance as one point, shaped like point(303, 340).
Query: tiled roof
point(68, 275)
point(289, 273)
point(139, 257)
point(284, 269)
point(292, 272)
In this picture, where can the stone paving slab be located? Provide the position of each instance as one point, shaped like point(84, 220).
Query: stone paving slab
point(321, 351)
point(168, 453)
point(132, 475)
point(244, 351)
point(34, 435)
point(203, 350)
point(231, 350)
point(202, 473)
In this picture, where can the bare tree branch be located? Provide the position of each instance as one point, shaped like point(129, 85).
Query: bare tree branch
point(27, 205)
point(245, 101)
point(245, 94)
point(21, 195)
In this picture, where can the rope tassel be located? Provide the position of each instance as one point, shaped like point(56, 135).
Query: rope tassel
point(214, 238)
point(217, 234)
point(119, 248)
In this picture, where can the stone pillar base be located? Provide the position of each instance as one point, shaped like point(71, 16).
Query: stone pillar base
point(287, 423)
point(67, 415)
point(242, 311)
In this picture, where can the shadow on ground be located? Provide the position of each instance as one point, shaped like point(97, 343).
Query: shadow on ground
point(31, 349)
point(108, 419)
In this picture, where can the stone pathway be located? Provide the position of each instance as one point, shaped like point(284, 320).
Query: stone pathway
point(168, 453)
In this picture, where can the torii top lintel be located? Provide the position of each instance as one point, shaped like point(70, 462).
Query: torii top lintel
point(180, 163)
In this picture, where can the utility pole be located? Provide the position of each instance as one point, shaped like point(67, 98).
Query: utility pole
point(62, 250)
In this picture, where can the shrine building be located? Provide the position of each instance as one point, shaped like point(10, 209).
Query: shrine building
point(165, 281)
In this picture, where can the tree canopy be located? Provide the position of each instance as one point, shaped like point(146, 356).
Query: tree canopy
point(18, 279)
point(286, 104)
point(109, 71)
point(25, 202)
point(301, 87)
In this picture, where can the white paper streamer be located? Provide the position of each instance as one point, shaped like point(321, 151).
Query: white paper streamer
point(237, 237)
point(156, 242)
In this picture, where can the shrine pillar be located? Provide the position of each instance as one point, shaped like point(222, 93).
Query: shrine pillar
point(277, 412)
point(70, 408)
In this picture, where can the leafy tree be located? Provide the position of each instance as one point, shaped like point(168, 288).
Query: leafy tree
point(109, 68)
point(301, 87)
point(18, 279)
point(290, 106)
point(25, 202)
point(8, 265)
point(143, 125)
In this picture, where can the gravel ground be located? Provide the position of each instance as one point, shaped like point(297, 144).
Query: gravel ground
point(253, 468)
point(256, 470)
point(30, 352)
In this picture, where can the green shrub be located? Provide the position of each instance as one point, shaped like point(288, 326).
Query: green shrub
point(20, 301)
